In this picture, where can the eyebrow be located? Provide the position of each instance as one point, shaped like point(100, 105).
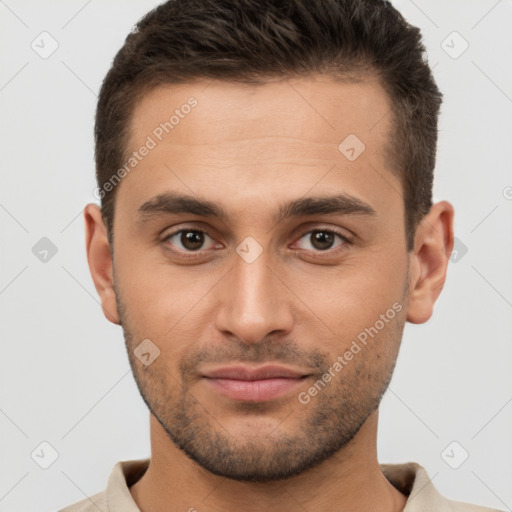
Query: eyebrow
point(171, 203)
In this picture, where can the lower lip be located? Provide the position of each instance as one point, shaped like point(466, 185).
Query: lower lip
point(255, 390)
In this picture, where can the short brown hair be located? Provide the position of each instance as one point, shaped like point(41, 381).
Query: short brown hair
point(252, 41)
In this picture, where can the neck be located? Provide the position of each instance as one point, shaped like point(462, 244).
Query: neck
point(349, 480)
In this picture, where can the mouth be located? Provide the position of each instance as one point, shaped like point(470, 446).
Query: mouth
point(254, 384)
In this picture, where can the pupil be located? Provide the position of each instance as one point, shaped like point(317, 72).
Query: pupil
point(323, 240)
point(192, 239)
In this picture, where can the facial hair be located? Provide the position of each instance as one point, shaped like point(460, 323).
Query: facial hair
point(314, 431)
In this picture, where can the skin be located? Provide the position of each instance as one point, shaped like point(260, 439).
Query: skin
point(250, 149)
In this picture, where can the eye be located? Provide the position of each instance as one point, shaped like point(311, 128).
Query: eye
point(323, 240)
point(188, 241)
point(191, 240)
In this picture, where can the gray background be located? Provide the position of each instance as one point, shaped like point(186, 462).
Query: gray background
point(64, 373)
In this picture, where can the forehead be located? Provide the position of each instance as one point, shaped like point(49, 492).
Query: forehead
point(238, 143)
point(315, 108)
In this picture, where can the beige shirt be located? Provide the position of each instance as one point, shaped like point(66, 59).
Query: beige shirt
point(411, 479)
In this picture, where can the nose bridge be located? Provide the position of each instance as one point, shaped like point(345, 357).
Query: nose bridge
point(252, 282)
point(254, 304)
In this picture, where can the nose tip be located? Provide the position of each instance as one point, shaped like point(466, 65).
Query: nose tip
point(253, 302)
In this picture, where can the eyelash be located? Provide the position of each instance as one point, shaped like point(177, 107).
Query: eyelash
point(318, 253)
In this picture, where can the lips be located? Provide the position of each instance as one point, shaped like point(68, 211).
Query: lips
point(247, 373)
point(254, 384)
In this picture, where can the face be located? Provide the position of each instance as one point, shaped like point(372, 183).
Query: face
point(243, 282)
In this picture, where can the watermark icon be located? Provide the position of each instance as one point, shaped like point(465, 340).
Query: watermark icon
point(459, 250)
point(144, 150)
point(507, 192)
point(454, 45)
point(146, 352)
point(44, 455)
point(44, 45)
point(249, 250)
point(305, 396)
point(44, 250)
point(351, 147)
point(455, 455)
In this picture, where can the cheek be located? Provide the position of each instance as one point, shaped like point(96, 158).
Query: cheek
point(355, 298)
point(164, 302)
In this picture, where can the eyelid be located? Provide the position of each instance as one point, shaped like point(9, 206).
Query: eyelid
point(331, 229)
point(331, 252)
point(189, 228)
point(304, 231)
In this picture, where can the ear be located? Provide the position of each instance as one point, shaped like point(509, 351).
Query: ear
point(100, 261)
point(433, 244)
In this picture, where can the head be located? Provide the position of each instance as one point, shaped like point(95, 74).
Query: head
point(265, 170)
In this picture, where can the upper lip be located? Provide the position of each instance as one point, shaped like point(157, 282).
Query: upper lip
point(248, 373)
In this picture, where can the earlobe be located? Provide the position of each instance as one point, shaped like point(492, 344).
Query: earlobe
point(429, 261)
point(100, 261)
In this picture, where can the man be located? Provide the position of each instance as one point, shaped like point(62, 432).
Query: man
point(266, 229)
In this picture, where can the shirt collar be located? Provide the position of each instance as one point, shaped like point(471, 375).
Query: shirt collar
point(411, 479)
point(123, 475)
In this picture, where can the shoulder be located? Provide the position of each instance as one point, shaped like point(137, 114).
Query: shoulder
point(96, 503)
point(117, 494)
point(460, 506)
point(412, 480)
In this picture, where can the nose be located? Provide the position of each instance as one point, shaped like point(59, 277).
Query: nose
point(255, 301)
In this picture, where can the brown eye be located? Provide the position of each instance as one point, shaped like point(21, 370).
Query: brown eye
point(323, 239)
point(192, 240)
point(189, 239)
